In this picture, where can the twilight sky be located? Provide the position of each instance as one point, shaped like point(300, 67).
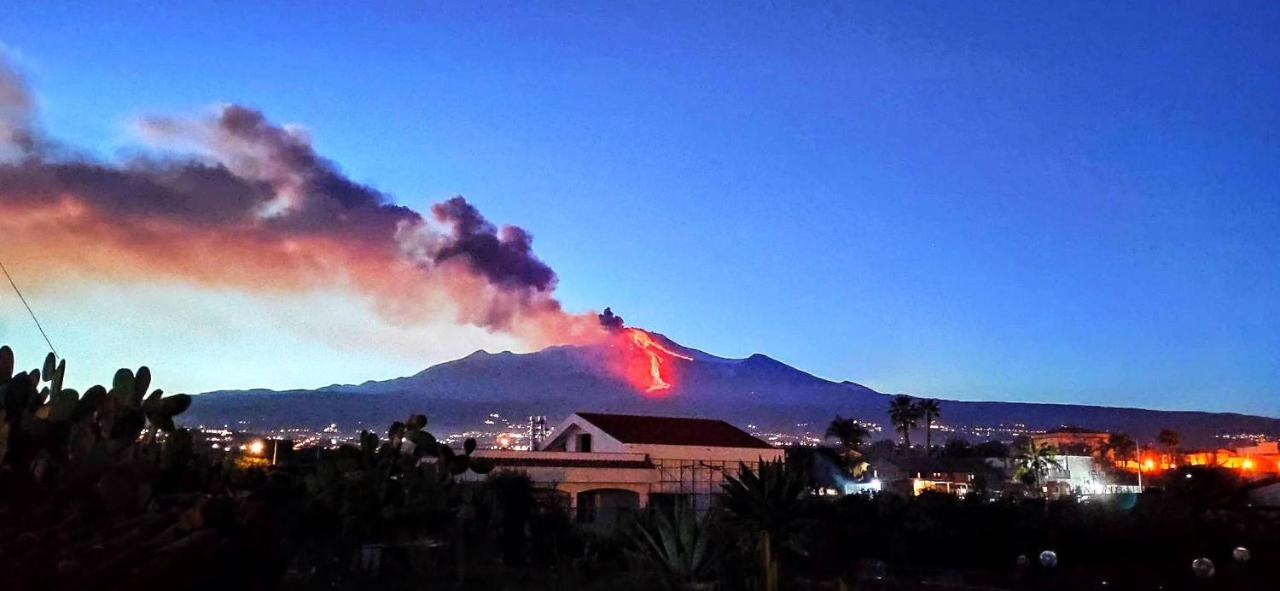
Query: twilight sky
point(1013, 201)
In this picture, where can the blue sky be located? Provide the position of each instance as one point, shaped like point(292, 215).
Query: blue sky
point(1016, 201)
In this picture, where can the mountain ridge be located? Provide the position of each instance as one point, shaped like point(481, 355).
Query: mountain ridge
point(757, 390)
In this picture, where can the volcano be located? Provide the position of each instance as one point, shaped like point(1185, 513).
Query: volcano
point(647, 373)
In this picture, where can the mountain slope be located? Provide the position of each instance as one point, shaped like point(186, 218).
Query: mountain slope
point(756, 390)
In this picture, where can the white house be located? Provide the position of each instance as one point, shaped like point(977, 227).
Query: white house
point(1082, 475)
point(606, 463)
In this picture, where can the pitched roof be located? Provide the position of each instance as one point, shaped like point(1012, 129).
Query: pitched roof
point(672, 431)
point(522, 462)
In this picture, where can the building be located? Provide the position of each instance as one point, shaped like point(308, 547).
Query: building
point(603, 464)
point(912, 475)
point(1073, 440)
point(1260, 459)
point(1081, 475)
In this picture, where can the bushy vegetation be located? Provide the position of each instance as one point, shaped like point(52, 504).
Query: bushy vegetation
point(103, 490)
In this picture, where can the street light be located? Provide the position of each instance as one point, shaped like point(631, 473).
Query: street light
point(256, 447)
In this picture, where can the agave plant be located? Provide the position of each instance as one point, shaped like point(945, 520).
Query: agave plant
point(677, 545)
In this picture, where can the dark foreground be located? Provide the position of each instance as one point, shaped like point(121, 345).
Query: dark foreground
point(103, 491)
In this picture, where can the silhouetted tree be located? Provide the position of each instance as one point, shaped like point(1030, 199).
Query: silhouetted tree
point(1170, 440)
point(1120, 447)
point(768, 502)
point(930, 411)
point(991, 449)
point(957, 447)
point(512, 496)
point(905, 415)
point(849, 433)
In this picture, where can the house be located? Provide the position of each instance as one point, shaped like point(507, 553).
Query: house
point(604, 464)
point(1256, 460)
point(1081, 475)
point(1073, 440)
point(913, 475)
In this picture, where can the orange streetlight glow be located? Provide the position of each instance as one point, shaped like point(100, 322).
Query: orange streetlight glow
point(1149, 464)
point(256, 448)
point(1247, 464)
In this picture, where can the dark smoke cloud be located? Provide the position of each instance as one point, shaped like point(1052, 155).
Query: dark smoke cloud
point(609, 320)
point(16, 111)
point(505, 258)
point(258, 208)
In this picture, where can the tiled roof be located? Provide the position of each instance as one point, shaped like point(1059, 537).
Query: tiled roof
point(525, 462)
point(672, 431)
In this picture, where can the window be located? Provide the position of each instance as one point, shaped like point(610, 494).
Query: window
point(584, 442)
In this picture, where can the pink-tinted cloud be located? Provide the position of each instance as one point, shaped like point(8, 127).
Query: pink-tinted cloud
point(235, 201)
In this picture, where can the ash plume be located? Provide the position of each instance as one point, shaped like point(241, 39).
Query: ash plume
point(233, 200)
point(16, 111)
point(610, 321)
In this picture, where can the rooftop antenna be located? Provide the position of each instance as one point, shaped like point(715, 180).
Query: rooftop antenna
point(29, 310)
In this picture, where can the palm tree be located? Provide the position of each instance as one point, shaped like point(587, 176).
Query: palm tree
point(768, 501)
point(904, 414)
point(849, 432)
point(678, 546)
point(1034, 460)
point(930, 410)
point(1170, 440)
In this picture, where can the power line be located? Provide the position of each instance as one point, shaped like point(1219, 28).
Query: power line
point(29, 310)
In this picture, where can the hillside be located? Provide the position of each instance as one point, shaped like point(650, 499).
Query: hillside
point(757, 390)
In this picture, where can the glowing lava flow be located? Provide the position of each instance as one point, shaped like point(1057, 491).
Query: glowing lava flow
point(653, 349)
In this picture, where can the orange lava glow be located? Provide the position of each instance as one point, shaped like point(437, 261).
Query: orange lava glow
point(645, 363)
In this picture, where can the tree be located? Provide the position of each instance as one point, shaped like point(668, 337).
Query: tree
point(957, 447)
point(1120, 447)
point(1034, 460)
point(769, 502)
point(512, 500)
point(991, 449)
point(1170, 440)
point(930, 410)
point(849, 432)
point(905, 415)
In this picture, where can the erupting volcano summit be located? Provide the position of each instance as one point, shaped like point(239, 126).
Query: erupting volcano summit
point(638, 358)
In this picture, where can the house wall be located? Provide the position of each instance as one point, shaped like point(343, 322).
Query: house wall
point(575, 480)
point(694, 472)
point(1078, 474)
point(749, 455)
point(1092, 441)
point(566, 439)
